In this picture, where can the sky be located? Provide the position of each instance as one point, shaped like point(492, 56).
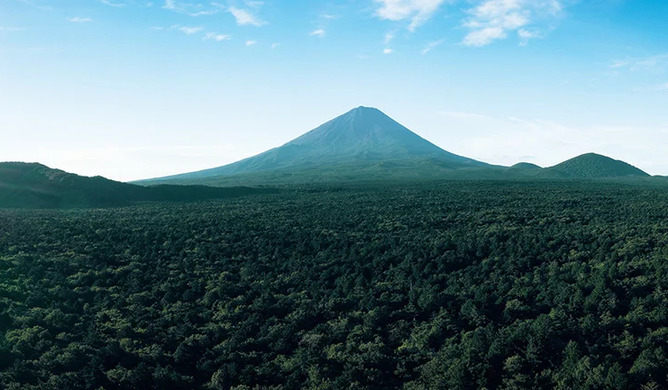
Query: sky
point(134, 89)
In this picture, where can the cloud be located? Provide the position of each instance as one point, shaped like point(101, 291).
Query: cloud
point(329, 16)
point(493, 19)
point(417, 11)
point(388, 51)
point(79, 20)
point(109, 3)
point(647, 63)
point(245, 17)
point(190, 30)
point(254, 4)
point(525, 35)
point(430, 46)
point(217, 37)
point(38, 6)
point(388, 37)
point(11, 28)
point(192, 9)
point(663, 87)
point(318, 33)
point(275, 45)
point(250, 43)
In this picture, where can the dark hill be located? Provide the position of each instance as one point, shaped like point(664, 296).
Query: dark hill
point(33, 185)
point(525, 166)
point(593, 166)
point(363, 141)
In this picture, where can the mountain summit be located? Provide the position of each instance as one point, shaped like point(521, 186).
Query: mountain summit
point(357, 140)
point(367, 133)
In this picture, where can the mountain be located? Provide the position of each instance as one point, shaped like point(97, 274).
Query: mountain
point(594, 166)
point(363, 141)
point(33, 185)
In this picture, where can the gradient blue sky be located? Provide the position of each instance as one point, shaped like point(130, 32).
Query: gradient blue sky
point(132, 89)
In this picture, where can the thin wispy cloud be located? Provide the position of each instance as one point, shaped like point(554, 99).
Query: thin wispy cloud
point(250, 43)
point(318, 33)
point(388, 51)
point(493, 20)
point(11, 28)
point(38, 6)
point(388, 37)
point(191, 9)
point(190, 30)
point(415, 11)
point(79, 20)
point(430, 46)
point(112, 4)
point(647, 63)
point(245, 17)
point(254, 4)
point(217, 37)
point(525, 35)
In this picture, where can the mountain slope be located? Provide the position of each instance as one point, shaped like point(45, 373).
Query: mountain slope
point(33, 185)
point(355, 141)
point(593, 166)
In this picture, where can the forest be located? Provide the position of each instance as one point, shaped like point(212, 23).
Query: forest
point(441, 285)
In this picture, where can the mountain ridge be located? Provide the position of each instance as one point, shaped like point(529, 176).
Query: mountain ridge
point(364, 135)
point(34, 185)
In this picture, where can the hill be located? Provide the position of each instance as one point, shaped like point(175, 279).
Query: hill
point(594, 166)
point(363, 142)
point(525, 166)
point(33, 185)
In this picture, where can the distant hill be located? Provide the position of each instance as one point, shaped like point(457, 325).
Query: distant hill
point(525, 167)
point(33, 185)
point(594, 166)
point(363, 142)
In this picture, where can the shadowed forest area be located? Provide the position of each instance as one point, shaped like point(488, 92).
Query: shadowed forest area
point(444, 285)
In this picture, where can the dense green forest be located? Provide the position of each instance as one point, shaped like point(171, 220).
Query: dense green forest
point(450, 285)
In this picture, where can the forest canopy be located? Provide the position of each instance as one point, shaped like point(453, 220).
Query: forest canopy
point(452, 285)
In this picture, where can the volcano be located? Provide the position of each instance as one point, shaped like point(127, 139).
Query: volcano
point(362, 141)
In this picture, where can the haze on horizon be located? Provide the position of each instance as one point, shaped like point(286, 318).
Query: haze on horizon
point(132, 89)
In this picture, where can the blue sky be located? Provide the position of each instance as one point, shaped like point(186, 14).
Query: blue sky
point(131, 89)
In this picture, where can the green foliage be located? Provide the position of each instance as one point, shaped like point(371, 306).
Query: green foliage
point(452, 285)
